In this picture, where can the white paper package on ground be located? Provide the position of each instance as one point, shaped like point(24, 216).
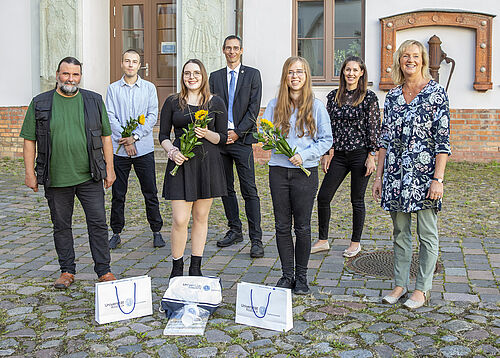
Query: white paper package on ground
point(123, 299)
point(264, 306)
point(188, 321)
point(204, 292)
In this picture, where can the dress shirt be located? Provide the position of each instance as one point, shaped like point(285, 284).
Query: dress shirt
point(124, 101)
point(310, 149)
point(230, 125)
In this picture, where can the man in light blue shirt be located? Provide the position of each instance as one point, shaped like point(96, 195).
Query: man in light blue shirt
point(131, 97)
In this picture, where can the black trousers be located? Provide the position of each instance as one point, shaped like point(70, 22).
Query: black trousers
point(241, 155)
point(293, 194)
point(342, 163)
point(61, 202)
point(144, 167)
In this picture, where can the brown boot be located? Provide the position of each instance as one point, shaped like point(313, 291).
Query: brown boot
point(64, 281)
point(107, 277)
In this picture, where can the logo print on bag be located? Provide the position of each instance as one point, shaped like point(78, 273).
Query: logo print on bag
point(129, 302)
point(206, 288)
point(262, 310)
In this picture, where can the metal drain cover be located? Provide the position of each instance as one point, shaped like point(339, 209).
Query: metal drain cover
point(380, 264)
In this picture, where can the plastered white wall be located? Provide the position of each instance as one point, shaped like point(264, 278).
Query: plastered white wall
point(16, 70)
point(458, 43)
point(267, 40)
point(267, 43)
point(95, 45)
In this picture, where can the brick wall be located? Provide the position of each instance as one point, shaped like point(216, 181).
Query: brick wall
point(475, 135)
point(11, 120)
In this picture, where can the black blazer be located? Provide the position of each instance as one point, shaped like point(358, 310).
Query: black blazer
point(247, 98)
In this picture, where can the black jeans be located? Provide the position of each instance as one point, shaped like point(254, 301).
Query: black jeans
point(144, 167)
point(342, 163)
point(61, 202)
point(293, 194)
point(242, 156)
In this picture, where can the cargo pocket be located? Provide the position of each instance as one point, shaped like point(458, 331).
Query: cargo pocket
point(96, 138)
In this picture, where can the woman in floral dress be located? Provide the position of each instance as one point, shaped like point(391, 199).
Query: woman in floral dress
point(413, 149)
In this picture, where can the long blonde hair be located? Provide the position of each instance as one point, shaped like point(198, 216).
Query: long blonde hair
point(285, 106)
point(204, 88)
point(396, 72)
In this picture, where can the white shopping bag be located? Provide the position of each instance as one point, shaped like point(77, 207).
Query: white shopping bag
point(205, 292)
point(123, 299)
point(264, 306)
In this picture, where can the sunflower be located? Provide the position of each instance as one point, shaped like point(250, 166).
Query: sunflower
point(201, 114)
point(267, 122)
point(142, 119)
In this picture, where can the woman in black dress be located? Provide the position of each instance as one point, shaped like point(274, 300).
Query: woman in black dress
point(355, 118)
point(199, 179)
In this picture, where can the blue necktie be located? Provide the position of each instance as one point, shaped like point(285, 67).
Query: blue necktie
point(231, 98)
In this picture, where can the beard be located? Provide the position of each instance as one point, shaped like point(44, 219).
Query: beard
point(68, 87)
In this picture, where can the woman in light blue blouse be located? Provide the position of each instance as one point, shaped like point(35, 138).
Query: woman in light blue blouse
point(306, 123)
point(414, 147)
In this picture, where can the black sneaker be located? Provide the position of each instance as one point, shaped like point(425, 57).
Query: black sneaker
point(257, 250)
point(114, 241)
point(285, 282)
point(158, 240)
point(301, 287)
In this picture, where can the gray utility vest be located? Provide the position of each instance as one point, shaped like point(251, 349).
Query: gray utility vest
point(92, 105)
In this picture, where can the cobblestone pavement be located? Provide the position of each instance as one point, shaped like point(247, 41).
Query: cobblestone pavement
point(343, 317)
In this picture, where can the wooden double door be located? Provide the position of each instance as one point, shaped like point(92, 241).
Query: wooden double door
point(149, 27)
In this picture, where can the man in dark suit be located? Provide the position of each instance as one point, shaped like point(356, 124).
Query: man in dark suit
point(241, 88)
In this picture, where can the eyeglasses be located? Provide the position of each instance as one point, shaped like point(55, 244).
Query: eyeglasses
point(195, 74)
point(299, 73)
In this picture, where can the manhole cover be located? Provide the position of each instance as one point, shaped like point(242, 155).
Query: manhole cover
point(380, 264)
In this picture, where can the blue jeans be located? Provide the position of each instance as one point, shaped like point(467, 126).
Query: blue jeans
point(293, 194)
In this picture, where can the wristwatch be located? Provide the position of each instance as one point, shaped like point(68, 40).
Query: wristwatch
point(372, 153)
point(136, 137)
point(439, 180)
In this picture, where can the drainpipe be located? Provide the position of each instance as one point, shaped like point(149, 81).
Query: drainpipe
point(239, 18)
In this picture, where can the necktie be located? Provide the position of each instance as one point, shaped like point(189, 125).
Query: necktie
point(231, 97)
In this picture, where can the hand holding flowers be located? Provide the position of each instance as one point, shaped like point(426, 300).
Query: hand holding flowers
point(130, 126)
point(189, 140)
point(274, 139)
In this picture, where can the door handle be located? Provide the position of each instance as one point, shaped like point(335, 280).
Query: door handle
point(146, 68)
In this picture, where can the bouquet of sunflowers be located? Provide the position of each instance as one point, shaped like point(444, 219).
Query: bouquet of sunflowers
point(274, 139)
point(131, 124)
point(188, 139)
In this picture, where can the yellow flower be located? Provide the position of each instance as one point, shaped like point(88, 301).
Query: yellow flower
point(265, 121)
point(201, 114)
point(142, 119)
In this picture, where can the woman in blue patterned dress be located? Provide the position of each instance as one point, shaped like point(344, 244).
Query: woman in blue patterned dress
point(413, 149)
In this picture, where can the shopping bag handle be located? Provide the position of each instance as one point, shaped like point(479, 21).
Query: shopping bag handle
point(267, 305)
point(118, 300)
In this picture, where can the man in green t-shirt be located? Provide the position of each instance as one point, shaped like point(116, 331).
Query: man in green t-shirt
point(69, 132)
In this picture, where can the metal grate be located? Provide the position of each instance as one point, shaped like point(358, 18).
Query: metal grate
point(380, 264)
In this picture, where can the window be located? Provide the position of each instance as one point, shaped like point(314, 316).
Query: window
point(326, 32)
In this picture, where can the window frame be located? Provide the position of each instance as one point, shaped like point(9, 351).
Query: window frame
point(328, 76)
